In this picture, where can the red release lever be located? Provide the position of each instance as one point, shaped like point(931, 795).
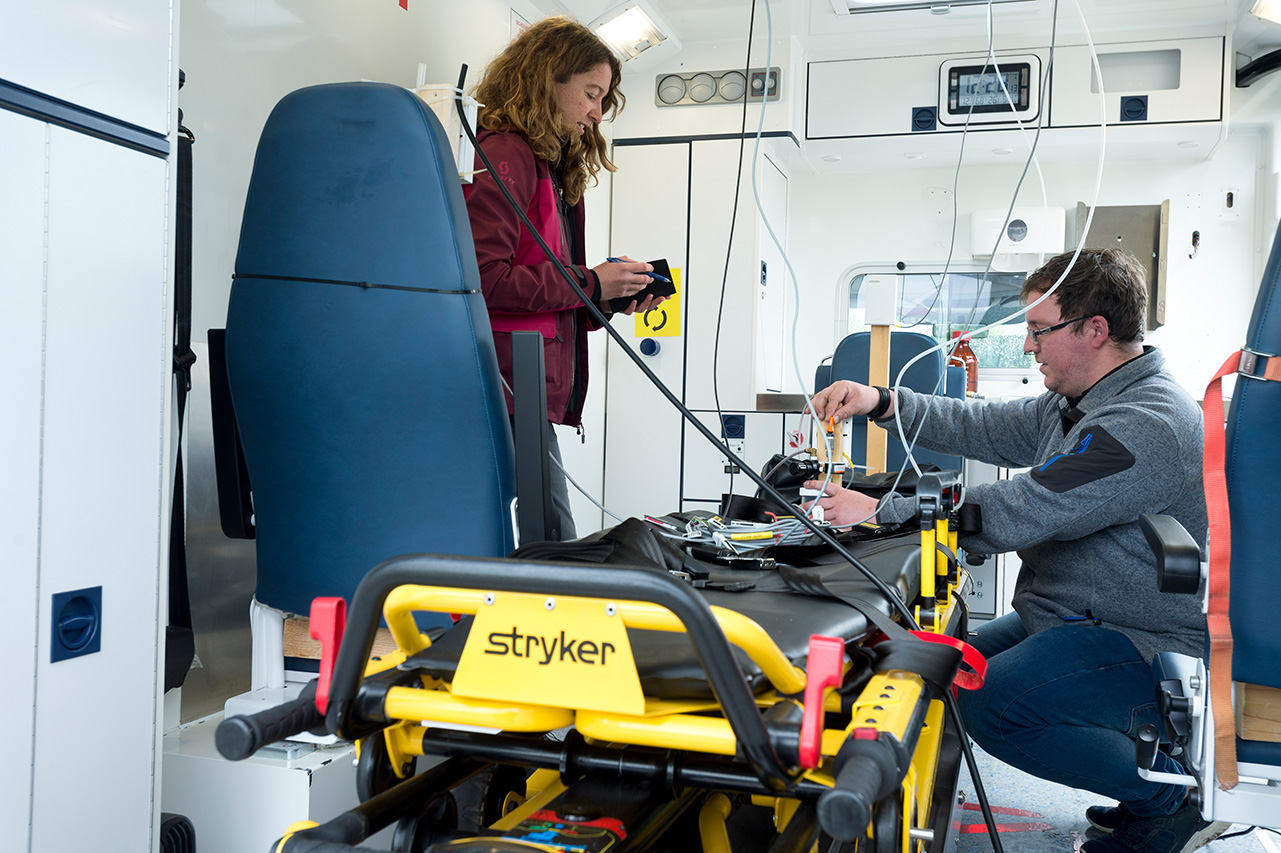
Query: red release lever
point(826, 668)
point(328, 621)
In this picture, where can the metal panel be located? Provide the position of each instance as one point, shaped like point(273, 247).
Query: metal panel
point(104, 504)
point(111, 57)
point(221, 572)
point(22, 198)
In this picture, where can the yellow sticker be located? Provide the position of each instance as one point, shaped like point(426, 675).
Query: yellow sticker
point(556, 651)
point(665, 320)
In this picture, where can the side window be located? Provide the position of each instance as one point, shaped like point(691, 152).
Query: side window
point(958, 302)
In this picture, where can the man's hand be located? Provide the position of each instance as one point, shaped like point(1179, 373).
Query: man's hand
point(844, 399)
point(842, 507)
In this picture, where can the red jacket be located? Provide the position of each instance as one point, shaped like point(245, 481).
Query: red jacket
point(523, 289)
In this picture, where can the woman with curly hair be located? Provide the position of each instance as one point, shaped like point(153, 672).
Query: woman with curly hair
point(542, 100)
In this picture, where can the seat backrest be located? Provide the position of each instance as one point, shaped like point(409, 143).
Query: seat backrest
point(359, 354)
point(1252, 466)
point(851, 361)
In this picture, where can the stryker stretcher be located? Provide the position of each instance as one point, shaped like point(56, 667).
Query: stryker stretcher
point(680, 704)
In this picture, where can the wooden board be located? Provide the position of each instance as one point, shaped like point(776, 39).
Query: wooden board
point(299, 644)
point(1258, 712)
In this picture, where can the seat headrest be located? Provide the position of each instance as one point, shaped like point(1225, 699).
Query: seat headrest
point(311, 213)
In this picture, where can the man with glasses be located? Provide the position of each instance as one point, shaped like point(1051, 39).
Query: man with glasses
point(1115, 436)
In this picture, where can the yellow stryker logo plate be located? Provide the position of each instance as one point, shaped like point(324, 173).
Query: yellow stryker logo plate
point(574, 655)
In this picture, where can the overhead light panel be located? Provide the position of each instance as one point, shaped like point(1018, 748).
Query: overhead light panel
point(1268, 10)
point(636, 33)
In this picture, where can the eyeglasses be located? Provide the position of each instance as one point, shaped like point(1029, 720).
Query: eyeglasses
point(1037, 334)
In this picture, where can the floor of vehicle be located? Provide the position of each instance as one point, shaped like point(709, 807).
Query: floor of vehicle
point(1036, 816)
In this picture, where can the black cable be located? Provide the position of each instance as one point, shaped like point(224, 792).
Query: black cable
point(894, 602)
point(599, 316)
point(729, 245)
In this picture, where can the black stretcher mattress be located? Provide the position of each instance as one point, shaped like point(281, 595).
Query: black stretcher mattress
point(666, 662)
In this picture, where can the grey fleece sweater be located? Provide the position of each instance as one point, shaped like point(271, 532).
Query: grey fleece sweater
point(1131, 445)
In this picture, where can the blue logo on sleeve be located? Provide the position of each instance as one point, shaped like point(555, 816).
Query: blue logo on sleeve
point(1081, 447)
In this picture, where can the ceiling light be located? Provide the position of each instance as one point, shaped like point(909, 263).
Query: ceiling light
point(634, 30)
point(1268, 10)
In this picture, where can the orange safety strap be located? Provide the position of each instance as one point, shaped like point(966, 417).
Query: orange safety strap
point(1219, 581)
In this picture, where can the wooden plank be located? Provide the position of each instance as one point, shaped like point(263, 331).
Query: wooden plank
point(299, 644)
point(1259, 712)
point(878, 373)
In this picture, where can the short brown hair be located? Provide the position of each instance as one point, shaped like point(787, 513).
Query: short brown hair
point(518, 91)
point(1103, 282)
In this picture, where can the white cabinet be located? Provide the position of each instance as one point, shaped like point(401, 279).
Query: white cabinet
point(674, 199)
point(1178, 81)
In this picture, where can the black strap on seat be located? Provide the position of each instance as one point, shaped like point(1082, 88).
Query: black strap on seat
point(937, 664)
point(180, 644)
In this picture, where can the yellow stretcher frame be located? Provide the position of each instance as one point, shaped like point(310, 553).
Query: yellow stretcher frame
point(890, 702)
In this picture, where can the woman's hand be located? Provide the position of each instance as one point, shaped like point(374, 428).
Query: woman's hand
point(641, 307)
point(842, 507)
point(622, 279)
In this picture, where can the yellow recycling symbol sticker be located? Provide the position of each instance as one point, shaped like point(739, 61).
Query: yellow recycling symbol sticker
point(663, 321)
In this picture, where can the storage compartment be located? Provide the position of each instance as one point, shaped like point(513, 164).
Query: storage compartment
point(1176, 81)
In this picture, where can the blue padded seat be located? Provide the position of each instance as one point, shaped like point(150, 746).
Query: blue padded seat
point(359, 353)
point(851, 360)
point(1252, 465)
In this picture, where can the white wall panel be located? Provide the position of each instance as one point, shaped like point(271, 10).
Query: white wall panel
point(22, 192)
point(109, 56)
point(103, 495)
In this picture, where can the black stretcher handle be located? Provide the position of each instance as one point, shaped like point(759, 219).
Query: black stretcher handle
point(240, 737)
point(866, 772)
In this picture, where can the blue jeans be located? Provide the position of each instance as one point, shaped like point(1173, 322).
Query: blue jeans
point(1064, 705)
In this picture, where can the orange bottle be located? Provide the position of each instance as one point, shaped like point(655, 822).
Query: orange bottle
point(963, 356)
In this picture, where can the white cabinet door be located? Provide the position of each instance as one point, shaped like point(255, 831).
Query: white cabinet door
point(642, 429)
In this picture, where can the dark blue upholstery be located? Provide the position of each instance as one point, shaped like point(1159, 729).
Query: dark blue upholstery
point(1252, 464)
point(850, 361)
point(372, 417)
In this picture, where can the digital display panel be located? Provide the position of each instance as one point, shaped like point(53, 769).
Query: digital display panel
point(984, 90)
point(977, 88)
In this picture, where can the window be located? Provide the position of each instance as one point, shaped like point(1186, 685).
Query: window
point(961, 301)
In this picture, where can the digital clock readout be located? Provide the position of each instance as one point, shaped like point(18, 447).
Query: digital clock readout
point(984, 90)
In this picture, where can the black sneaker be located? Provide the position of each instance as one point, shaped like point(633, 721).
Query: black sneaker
point(1181, 832)
point(1106, 818)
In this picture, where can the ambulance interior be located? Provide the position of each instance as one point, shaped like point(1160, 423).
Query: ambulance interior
point(813, 174)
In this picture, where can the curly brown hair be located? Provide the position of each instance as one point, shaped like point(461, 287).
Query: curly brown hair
point(518, 91)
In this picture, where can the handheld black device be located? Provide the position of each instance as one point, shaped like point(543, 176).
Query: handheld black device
point(656, 287)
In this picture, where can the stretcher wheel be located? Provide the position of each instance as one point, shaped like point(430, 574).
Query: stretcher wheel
point(374, 773)
point(417, 833)
point(505, 792)
point(887, 826)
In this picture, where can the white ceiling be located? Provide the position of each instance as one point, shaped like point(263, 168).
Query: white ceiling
point(819, 29)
